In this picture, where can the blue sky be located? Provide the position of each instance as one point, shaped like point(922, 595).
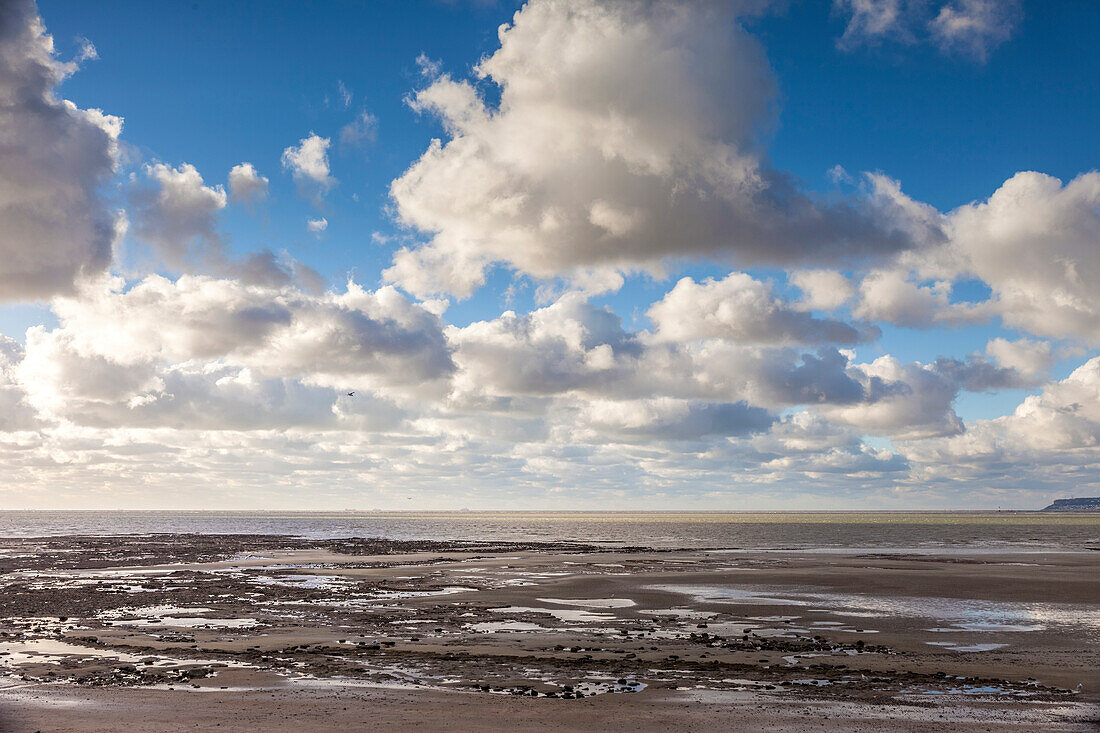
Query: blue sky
point(949, 99)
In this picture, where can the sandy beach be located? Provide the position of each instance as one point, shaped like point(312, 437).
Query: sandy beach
point(251, 632)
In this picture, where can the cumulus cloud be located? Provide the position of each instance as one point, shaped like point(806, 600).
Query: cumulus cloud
point(788, 378)
point(807, 444)
point(1034, 243)
point(15, 412)
point(572, 353)
point(539, 397)
point(915, 401)
point(54, 160)
point(1051, 438)
point(93, 391)
point(568, 346)
point(246, 184)
point(910, 401)
point(626, 137)
point(893, 297)
point(615, 144)
point(742, 309)
point(822, 289)
point(174, 348)
point(976, 374)
point(308, 164)
point(1026, 356)
point(805, 432)
point(178, 214)
point(670, 419)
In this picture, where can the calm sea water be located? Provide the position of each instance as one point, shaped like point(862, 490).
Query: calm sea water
point(749, 530)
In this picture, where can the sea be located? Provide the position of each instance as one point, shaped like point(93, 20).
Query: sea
point(824, 531)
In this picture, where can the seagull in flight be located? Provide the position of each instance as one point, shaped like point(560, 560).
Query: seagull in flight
point(351, 394)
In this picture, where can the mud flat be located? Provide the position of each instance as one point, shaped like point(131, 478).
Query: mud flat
point(256, 632)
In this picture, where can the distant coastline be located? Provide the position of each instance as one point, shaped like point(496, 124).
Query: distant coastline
point(1079, 504)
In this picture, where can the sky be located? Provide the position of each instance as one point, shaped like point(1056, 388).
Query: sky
point(567, 254)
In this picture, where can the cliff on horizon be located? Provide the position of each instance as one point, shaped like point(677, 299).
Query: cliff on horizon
point(1081, 504)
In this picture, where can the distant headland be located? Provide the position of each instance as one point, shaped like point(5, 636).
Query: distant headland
point(1081, 504)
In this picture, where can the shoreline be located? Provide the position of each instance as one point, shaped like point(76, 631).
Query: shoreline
point(126, 624)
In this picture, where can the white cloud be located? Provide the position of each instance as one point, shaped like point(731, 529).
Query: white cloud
point(822, 289)
point(911, 401)
point(625, 134)
point(970, 27)
point(1052, 439)
point(360, 132)
point(890, 296)
point(872, 20)
point(806, 432)
point(179, 214)
point(54, 160)
point(93, 391)
point(568, 346)
point(1034, 243)
point(914, 401)
point(669, 419)
point(975, 27)
point(308, 164)
point(135, 336)
point(572, 353)
point(345, 94)
point(167, 369)
point(15, 413)
point(245, 184)
point(745, 310)
point(1032, 358)
point(625, 138)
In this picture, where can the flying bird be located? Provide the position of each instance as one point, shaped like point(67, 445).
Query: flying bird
point(351, 394)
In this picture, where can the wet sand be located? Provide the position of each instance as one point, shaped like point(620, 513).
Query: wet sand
point(174, 632)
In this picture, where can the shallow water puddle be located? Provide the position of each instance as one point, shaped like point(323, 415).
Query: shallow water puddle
point(37, 651)
point(684, 612)
point(987, 626)
point(50, 651)
point(306, 582)
point(995, 615)
point(152, 611)
point(966, 647)
point(197, 622)
point(591, 602)
point(562, 614)
point(708, 593)
point(387, 595)
point(179, 616)
point(497, 626)
point(991, 690)
point(792, 659)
